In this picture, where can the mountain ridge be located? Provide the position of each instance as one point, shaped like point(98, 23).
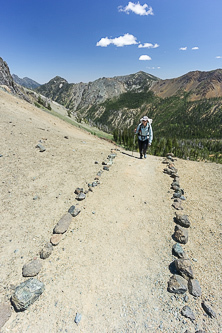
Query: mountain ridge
point(25, 82)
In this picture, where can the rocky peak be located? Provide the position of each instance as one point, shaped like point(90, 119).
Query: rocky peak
point(5, 77)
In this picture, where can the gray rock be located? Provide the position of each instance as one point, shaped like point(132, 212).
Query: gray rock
point(5, 313)
point(200, 331)
point(194, 287)
point(112, 156)
point(182, 220)
point(63, 224)
point(181, 234)
point(46, 251)
point(188, 313)
point(208, 310)
point(187, 331)
point(78, 318)
point(178, 250)
point(106, 168)
point(26, 294)
point(177, 284)
point(79, 190)
point(177, 204)
point(71, 209)
point(183, 267)
point(76, 212)
point(41, 147)
point(32, 269)
point(81, 196)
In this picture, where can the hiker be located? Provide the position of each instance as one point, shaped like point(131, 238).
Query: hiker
point(145, 135)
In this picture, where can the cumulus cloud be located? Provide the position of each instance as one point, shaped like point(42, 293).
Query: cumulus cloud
point(195, 48)
point(183, 48)
point(124, 40)
point(145, 57)
point(136, 8)
point(148, 46)
point(218, 57)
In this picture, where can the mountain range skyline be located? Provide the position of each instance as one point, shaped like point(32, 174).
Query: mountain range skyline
point(85, 41)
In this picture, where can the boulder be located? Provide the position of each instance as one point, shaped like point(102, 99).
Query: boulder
point(26, 294)
point(177, 284)
point(63, 224)
point(180, 234)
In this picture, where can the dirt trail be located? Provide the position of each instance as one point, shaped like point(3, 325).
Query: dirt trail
point(112, 265)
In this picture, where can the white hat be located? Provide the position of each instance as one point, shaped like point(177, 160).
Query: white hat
point(145, 118)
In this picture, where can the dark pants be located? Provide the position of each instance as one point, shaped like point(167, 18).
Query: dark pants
point(143, 146)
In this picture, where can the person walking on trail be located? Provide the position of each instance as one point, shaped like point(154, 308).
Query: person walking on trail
point(145, 135)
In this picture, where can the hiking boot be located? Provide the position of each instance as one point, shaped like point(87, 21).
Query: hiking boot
point(144, 155)
point(141, 156)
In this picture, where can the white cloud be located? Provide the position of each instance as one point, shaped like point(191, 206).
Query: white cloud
point(218, 57)
point(148, 46)
point(183, 48)
point(195, 48)
point(127, 39)
point(136, 8)
point(145, 57)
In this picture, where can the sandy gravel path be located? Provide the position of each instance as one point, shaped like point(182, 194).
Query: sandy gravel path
point(112, 265)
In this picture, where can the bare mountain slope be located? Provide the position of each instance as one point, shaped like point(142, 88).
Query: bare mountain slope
point(112, 265)
point(199, 84)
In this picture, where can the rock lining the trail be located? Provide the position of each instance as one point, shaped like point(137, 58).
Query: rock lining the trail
point(185, 281)
point(28, 292)
point(63, 224)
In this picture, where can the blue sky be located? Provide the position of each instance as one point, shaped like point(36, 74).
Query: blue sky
point(82, 41)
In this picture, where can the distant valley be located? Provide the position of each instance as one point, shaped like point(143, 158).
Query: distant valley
point(186, 107)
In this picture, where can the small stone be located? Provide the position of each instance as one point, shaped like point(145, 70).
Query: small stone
point(183, 266)
point(106, 168)
point(194, 287)
point(5, 313)
point(78, 318)
point(180, 235)
point(182, 220)
point(46, 251)
point(41, 147)
point(177, 284)
point(66, 137)
point(81, 196)
point(55, 239)
point(78, 190)
point(71, 209)
point(96, 162)
point(188, 313)
point(177, 204)
point(26, 294)
point(63, 224)
point(32, 269)
point(76, 212)
point(208, 309)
